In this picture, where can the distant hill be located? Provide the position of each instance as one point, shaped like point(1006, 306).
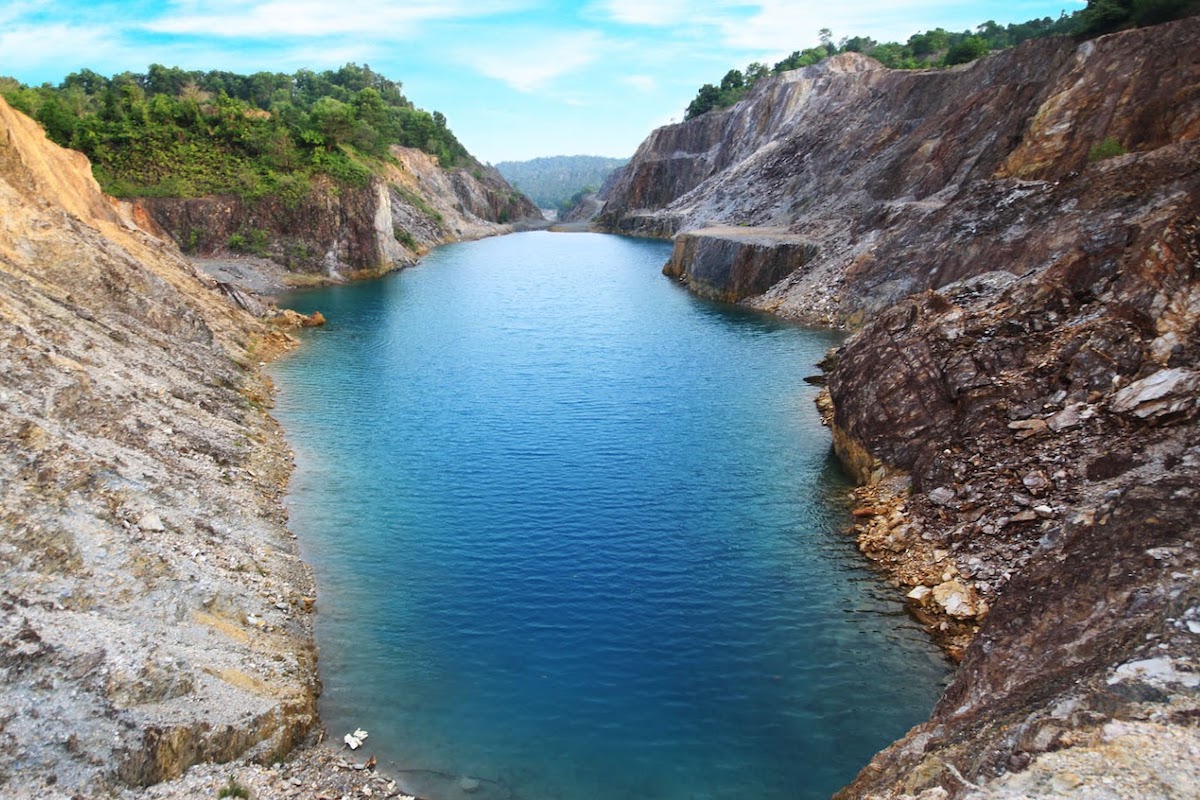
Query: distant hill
point(558, 181)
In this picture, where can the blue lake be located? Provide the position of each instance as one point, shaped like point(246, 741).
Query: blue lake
point(579, 534)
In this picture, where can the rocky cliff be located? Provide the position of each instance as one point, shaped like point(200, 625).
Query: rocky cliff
point(962, 170)
point(408, 206)
point(153, 610)
point(1017, 241)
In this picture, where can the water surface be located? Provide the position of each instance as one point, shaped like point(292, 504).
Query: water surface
point(577, 535)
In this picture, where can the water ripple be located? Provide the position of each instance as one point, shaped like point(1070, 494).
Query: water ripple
point(576, 533)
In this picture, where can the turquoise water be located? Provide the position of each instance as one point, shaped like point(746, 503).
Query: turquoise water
point(577, 535)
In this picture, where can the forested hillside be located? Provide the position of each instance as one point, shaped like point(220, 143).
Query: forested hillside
point(176, 133)
point(332, 172)
point(559, 181)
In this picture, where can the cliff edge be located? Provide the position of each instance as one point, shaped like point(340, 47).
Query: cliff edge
point(155, 613)
point(961, 171)
point(1017, 243)
point(409, 205)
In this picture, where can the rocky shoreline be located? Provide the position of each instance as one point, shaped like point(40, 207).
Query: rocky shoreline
point(1022, 412)
point(155, 615)
point(1020, 398)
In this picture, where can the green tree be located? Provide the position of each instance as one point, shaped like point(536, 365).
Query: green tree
point(1152, 12)
point(334, 120)
point(1104, 16)
point(706, 100)
point(859, 44)
point(966, 50)
point(755, 72)
point(826, 37)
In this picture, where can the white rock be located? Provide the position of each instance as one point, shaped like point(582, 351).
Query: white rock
point(468, 784)
point(1069, 417)
point(355, 740)
point(942, 496)
point(150, 521)
point(1165, 392)
point(1155, 671)
point(1162, 347)
point(954, 598)
point(919, 593)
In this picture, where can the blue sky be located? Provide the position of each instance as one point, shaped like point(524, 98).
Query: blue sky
point(515, 78)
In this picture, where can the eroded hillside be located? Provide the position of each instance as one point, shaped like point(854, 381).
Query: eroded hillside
point(1018, 243)
point(963, 171)
point(153, 610)
point(409, 206)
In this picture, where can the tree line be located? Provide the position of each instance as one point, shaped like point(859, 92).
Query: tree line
point(942, 48)
point(179, 133)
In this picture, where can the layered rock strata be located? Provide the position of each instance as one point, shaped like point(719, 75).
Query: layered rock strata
point(1048, 428)
point(153, 610)
point(911, 180)
point(1021, 401)
point(733, 263)
point(407, 207)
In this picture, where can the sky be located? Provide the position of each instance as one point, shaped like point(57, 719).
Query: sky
point(516, 79)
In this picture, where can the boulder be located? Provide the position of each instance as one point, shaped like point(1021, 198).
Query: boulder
point(1164, 393)
point(956, 599)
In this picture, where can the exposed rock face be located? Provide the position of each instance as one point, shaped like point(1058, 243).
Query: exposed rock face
point(1049, 428)
point(1022, 399)
point(730, 263)
point(405, 210)
point(152, 608)
point(959, 171)
point(587, 209)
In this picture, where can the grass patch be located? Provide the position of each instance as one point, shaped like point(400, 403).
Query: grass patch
point(233, 789)
point(1109, 148)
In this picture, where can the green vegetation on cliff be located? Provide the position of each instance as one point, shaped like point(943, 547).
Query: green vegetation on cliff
point(942, 48)
point(176, 133)
point(559, 181)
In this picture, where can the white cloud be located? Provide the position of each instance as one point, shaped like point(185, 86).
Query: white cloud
point(646, 12)
point(27, 48)
point(778, 27)
point(643, 83)
point(672, 13)
point(253, 19)
point(529, 62)
point(11, 12)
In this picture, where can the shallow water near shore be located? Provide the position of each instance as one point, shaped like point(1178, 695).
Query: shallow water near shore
point(578, 534)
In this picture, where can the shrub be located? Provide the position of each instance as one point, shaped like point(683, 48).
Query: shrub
point(233, 789)
point(404, 237)
point(966, 51)
point(1108, 148)
point(255, 241)
point(258, 242)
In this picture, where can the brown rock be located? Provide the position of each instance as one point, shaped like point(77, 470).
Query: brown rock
point(1028, 427)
